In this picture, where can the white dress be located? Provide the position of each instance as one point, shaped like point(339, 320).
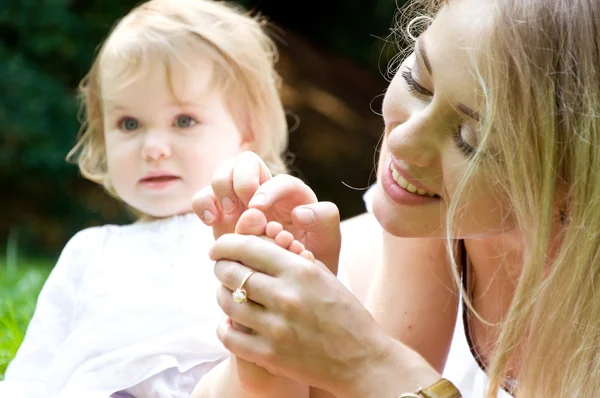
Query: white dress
point(461, 367)
point(126, 310)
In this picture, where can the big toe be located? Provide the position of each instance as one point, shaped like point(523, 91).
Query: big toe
point(251, 222)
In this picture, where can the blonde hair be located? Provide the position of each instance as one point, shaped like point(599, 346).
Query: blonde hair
point(172, 32)
point(539, 139)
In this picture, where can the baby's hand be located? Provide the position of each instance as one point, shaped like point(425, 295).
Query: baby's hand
point(253, 378)
point(245, 182)
point(234, 187)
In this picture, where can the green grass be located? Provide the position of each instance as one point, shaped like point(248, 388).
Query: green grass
point(20, 284)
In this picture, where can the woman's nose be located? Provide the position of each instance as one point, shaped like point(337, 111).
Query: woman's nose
point(415, 141)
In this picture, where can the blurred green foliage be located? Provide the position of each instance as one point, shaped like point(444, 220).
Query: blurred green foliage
point(46, 47)
point(20, 283)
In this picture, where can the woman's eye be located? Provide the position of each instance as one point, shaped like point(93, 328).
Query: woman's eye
point(466, 149)
point(129, 124)
point(415, 88)
point(184, 121)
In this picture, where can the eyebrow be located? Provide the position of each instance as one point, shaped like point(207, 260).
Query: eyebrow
point(462, 107)
point(421, 47)
point(468, 111)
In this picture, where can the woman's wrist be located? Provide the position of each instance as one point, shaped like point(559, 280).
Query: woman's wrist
point(398, 370)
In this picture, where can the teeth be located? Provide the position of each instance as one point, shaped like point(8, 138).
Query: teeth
point(401, 181)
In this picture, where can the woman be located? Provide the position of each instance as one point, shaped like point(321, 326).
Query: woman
point(492, 150)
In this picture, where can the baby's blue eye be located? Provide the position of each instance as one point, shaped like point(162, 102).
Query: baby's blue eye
point(129, 124)
point(184, 121)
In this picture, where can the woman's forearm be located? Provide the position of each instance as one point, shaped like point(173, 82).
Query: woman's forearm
point(401, 371)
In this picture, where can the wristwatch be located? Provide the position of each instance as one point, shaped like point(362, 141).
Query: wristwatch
point(441, 389)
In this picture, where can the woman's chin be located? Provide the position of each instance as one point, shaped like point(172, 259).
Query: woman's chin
point(402, 222)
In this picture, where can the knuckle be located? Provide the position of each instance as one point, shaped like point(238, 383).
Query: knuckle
point(221, 186)
point(288, 181)
point(229, 275)
point(246, 187)
point(280, 332)
point(271, 357)
point(306, 273)
point(289, 303)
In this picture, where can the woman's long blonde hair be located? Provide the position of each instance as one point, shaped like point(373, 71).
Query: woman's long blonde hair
point(539, 139)
point(174, 33)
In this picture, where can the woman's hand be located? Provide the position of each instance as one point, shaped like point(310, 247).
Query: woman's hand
point(307, 325)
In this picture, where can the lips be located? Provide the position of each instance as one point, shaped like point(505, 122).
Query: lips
point(159, 176)
point(159, 180)
point(407, 185)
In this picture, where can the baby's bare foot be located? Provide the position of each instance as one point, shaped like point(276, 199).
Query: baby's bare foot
point(253, 378)
point(254, 222)
point(286, 240)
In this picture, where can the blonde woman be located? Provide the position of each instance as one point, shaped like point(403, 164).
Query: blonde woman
point(490, 177)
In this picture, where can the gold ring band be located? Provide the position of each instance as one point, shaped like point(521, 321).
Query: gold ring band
point(240, 295)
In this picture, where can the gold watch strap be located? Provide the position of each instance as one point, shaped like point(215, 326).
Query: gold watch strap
point(441, 389)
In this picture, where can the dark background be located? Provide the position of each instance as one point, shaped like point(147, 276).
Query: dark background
point(333, 58)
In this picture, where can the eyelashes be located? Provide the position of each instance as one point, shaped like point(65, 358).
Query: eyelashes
point(460, 143)
point(421, 92)
point(415, 88)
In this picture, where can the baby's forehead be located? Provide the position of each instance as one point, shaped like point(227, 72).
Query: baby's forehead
point(127, 76)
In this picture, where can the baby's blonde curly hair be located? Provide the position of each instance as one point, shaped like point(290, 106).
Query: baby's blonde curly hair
point(174, 33)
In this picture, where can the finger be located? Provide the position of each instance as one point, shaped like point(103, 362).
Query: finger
point(250, 347)
point(249, 173)
point(225, 198)
point(321, 221)
point(258, 286)
point(249, 314)
point(284, 191)
point(256, 253)
point(205, 206)
point(222, 185)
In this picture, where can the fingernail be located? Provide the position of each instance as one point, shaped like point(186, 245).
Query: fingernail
point(306, 216)
point(258, 199)
point(207, 216)
point(227, 205)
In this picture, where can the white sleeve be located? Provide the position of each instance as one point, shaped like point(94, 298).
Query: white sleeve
point(51, 321)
